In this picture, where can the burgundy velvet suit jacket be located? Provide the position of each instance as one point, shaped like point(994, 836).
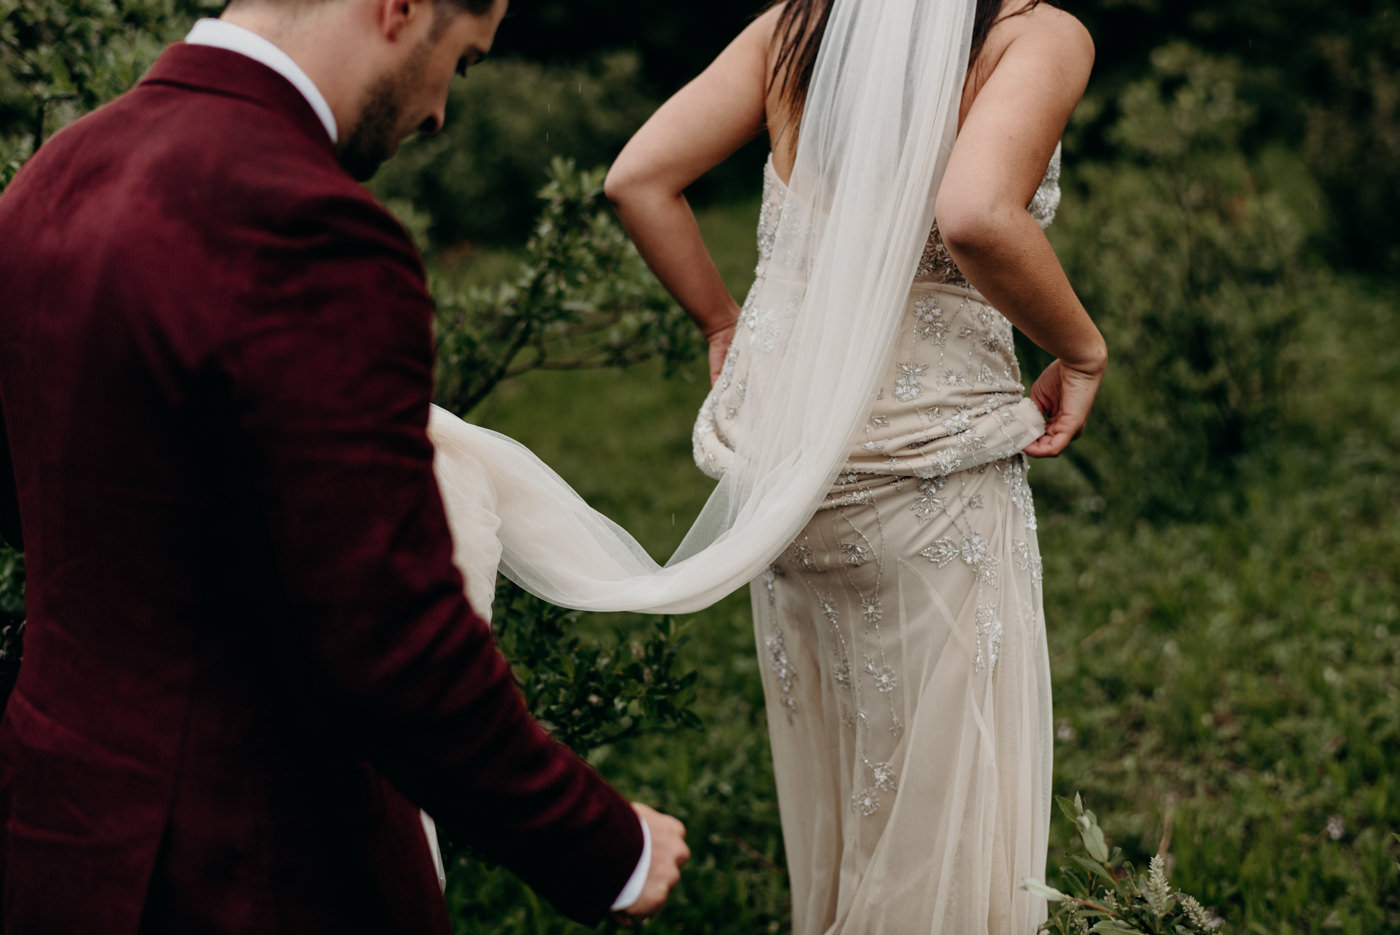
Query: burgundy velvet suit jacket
point(248, 650)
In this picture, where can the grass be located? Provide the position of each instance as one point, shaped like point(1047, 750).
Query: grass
point(1228, 687)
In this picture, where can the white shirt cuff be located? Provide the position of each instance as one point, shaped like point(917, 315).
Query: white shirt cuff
point(633, 890)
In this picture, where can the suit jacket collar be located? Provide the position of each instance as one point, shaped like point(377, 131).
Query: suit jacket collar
point(220, 71)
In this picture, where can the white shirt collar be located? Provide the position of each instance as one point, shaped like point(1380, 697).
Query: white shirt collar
point(223, 35)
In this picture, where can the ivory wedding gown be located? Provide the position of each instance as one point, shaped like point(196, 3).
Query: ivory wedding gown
point(901, 635)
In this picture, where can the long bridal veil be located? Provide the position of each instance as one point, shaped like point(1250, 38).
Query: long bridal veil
point(878, 125)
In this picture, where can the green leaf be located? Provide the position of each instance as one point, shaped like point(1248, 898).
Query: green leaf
point(1036, 888)
point(1092, 836)
point(1115, 927)
point(1096, 868)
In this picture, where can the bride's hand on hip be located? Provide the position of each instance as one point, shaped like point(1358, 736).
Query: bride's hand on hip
point(1064, 396)
point(719, 348)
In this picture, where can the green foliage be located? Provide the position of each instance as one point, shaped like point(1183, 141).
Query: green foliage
point(677, 40)
point(1352, 139)
point(11, 618)
point(1190, 254)
point(58, 60)
point(585, 693)
point(1234, 679)
point(582, 299)
point(589, 694)
point(1107, 897)
point(8, 168)
point(477, 179)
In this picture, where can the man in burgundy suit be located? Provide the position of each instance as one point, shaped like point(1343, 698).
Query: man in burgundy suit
point(248, 658)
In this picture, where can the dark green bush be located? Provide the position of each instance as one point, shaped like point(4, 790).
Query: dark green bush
point(588, 693)
point(1190, 255)
point(59, 60)
point(478, 178)
point(11, 618)
point(581, 299)
point(1353, 140)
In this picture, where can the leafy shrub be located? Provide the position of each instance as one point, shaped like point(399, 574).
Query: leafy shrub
point(587, 693)
point(1353, 139)
point(1190, 255)
point(582, 299)
point(1106, 896)
point(11, 618)
point(58, 60)
point(478, 178)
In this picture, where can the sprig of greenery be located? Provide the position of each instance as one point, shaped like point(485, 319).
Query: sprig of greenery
point(1107, 897)
point(582, 300)
point(11, 618)
point(586, 692)
point(58, 60)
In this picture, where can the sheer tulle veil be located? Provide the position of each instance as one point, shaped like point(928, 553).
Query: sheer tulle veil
point(877, 127)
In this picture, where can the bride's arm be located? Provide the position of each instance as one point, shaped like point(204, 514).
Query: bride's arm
point(1003, 146)
point(691, 133)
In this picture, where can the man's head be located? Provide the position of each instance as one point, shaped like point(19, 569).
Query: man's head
point(384, 66)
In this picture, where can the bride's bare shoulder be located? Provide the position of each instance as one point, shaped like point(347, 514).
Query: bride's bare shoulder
point(1042, 41)
point(1045, 28)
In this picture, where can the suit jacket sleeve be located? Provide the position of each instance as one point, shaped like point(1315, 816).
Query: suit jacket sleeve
point(330, 366)
point(9, 499)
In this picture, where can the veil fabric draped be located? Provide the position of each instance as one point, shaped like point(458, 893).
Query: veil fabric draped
point(876, 131)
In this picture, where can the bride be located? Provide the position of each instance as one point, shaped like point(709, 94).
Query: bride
point(866, 427)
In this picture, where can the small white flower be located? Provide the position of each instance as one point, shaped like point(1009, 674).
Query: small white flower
point(1159, 891)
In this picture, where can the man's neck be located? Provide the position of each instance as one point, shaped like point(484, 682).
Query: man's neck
point(225, 35)
point(320, 41)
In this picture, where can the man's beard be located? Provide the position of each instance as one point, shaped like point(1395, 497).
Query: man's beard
point(375, 137)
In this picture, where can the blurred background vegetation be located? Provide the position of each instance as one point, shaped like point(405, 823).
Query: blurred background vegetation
point(1221, 549)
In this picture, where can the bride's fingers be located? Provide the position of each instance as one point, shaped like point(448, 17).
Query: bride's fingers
point(1059, 432)
point(1047, 446)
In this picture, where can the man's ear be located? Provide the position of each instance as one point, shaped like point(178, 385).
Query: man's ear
point(395, 17)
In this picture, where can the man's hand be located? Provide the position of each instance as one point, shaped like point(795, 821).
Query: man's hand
point(668, 855)
point(1064, 396)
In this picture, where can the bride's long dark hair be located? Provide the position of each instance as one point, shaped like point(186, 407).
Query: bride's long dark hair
point(802, 23)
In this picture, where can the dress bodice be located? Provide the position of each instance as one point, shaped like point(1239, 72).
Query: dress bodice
point(951, 397)
point(936, 265)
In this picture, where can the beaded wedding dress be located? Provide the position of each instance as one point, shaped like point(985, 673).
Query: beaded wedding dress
point(866, 434)
point(901, 635)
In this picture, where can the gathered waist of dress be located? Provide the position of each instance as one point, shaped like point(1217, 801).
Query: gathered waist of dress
point(952, 396)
